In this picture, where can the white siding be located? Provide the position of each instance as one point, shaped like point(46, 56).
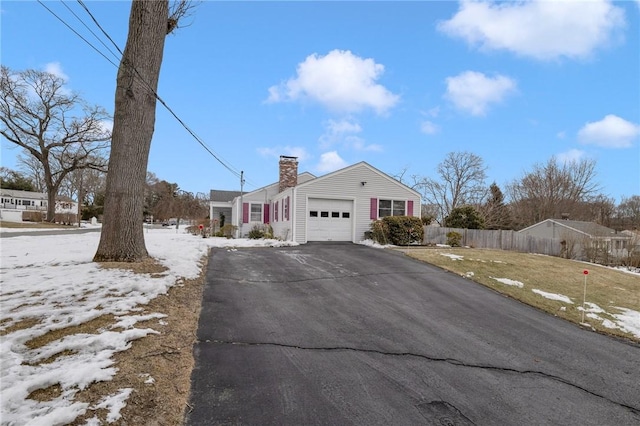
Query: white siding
point(346, 184)
point(282, 228)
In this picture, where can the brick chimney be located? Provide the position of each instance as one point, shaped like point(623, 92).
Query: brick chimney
point(288, 172)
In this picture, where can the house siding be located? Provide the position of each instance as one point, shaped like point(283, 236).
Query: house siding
point(347, 185)
point(282, 228)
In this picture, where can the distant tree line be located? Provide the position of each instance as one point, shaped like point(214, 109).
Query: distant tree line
point(458, 197)
point(162, 200)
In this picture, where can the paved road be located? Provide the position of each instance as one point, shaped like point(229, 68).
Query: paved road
point(332, 334)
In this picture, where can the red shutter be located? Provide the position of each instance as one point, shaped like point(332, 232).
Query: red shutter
point(410, 208)
point(373, 215)
point(245, 212)
point(266, 213)
point(275, 211)
point(287, 208)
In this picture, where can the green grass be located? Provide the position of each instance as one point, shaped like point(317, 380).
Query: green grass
point(606, 287)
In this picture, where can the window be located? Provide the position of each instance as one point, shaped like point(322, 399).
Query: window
point(398, 208)
point(384, 208)
point(313, 213)
point(324, 214)
point(335, 214)
point(256, 212)
point(391, 208)
point(345, 215)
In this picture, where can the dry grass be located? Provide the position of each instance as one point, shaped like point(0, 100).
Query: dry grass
point(167, 357)
point(32, 225)
point(606, 287)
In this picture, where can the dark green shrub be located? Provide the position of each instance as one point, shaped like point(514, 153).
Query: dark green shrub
point(454, 239)
point(398, 230)
point(466, 217)
point(256, 232)
point(261, 231)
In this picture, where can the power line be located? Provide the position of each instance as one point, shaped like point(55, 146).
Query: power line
point(223, 162)
point(94, 34)
point(76, 33)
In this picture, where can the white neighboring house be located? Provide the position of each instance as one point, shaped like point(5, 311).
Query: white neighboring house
point(13, 202)
point(339, 206)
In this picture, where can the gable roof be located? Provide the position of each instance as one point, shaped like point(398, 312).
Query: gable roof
point(300, 175)
point(591, 229)
point(16, 193)
point(219, 195)
point(361, 164)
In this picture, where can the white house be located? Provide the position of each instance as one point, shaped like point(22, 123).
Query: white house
point(14, 202)
point(339, 206)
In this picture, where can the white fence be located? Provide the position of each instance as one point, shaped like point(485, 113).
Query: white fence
point(495, 239)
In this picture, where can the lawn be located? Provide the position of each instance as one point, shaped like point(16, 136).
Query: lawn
point(34, 225)
point(552, 284)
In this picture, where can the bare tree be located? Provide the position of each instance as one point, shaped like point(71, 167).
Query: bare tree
point(31, 167)
point(628, 213)
point(552, 190)
point(460, 182)
point(39, 115)
point(122, 237)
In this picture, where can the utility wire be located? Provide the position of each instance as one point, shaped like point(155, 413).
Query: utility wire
point(89, 29)
point(76, 33)
point(223, 162)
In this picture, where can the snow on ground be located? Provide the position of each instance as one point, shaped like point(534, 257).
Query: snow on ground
point(552, 296)
point(453, 256)
point(628, 321)
point(374, 244)
point(51, 283)
point(508, 281)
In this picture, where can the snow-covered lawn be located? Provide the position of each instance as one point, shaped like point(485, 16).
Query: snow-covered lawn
point(50, 283)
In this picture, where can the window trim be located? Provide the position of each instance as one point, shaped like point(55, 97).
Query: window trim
point(391, 201)
point(252, 213)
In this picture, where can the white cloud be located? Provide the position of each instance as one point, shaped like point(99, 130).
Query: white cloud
point(540, 29)
point(56, 69)
point(473, 91)
point(570, 156)
point(343, 132)
point(329, 162)
point(340, 81)
point(291, 151)
point(610, 132)
point(561, 135)
point(429, 128)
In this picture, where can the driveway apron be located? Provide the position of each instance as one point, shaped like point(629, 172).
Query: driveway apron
point(344, 334)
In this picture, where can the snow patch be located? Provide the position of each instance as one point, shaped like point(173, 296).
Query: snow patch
point(507, 281)
point(552, 296)
point(452, 256)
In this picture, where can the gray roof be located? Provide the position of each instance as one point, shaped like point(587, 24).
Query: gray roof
point(16, 193)
point(218, 195)
point(590, 228)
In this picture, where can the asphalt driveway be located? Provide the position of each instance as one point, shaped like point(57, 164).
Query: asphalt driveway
point(343, 334)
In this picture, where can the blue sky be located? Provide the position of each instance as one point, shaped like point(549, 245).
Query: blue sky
point(396, 84)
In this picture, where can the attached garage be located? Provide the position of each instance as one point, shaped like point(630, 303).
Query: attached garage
point(329, 220)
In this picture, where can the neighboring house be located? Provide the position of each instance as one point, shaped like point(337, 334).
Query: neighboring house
point(339, 206)
point(65, 205)
point(13, 201)
point(586, 240)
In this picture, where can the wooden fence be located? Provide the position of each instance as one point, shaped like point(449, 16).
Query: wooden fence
point(495, 239)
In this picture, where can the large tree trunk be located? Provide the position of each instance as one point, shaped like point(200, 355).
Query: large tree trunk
point(122, 238)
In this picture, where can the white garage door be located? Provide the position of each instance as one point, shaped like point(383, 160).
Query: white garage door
point(329, 220)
